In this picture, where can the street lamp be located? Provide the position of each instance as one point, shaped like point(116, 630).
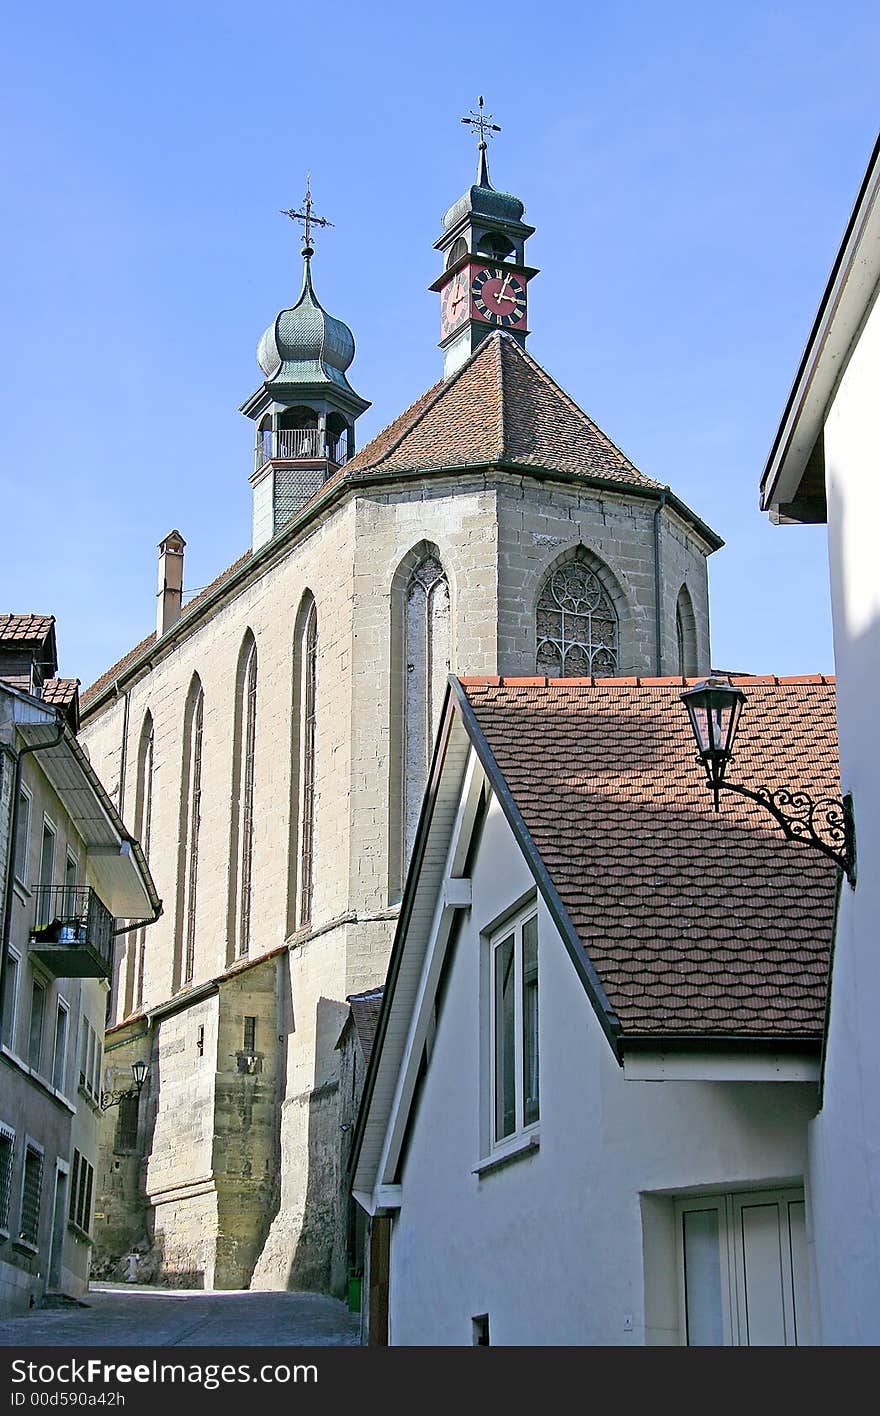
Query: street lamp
point(139, 1071)
point(714, 708)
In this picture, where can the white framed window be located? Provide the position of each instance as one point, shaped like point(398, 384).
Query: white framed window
point(742, 1270)
point(513, 1027)
point(46, 903)
point(22, 835)
point(59, 1051)
point(10, 998)
point(7, 1162)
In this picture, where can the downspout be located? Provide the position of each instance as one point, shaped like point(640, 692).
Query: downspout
point(658, 635)
point(10, 862)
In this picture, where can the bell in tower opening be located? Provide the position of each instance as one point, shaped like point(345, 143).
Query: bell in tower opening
point(484, 285)
point(305, 410)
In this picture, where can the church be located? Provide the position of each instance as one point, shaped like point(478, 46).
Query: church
point(269, 742)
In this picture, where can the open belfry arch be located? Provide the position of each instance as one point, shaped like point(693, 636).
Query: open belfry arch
point(276, 732)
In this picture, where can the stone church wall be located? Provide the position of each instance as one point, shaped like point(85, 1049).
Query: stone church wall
point(243, 1172)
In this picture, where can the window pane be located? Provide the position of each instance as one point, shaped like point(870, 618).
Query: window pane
point(505, 1041)
point(530, 1020)
point(7, 1144)
point(702, 1278)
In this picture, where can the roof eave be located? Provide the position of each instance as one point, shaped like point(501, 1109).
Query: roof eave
point(848, 295)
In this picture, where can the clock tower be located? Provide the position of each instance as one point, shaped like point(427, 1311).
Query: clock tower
point(484, 285)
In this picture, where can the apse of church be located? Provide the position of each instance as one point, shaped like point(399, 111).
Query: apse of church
point(273, 738)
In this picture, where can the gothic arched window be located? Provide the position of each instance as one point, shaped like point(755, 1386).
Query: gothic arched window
point(134, 982)
point(192, 820)
point(426, 664)
point(577, 629)
point(305, 670)
point(243, 795)
point(686, 634)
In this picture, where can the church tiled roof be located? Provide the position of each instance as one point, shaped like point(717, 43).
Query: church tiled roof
point(695, 922)
point(499, 407)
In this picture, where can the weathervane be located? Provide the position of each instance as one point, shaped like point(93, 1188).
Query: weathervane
point(481, 123)
point(307, 217)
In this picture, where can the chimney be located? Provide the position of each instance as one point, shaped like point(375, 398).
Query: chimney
point(170, 592)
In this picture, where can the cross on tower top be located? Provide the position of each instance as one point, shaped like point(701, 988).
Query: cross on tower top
point(308, 218)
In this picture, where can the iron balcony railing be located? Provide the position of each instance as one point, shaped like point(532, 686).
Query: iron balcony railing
point(73, 931)
point(300, 443)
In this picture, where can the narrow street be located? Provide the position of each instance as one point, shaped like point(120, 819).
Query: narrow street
point(130, 1315)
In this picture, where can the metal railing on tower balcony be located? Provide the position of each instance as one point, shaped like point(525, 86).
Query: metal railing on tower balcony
point(305, 444)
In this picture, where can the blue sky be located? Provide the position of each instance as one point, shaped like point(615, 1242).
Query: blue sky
point(689, 168)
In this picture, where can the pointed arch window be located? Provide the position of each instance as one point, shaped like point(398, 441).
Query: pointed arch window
point(686, 634)
point(246, 723)
point(306, 687)
point(577, 629)
point(134, 982)
point(426, 666)
point(192, 827)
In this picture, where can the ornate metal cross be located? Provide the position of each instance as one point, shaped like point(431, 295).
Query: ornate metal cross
point(307, 216)
point(481, 123)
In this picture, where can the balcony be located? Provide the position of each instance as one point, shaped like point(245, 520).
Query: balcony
point(300, 445)
point(73, 932)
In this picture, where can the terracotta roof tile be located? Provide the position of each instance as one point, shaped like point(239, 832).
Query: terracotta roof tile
point(500, 406)
point(694, 922)
point(59, 692)
point(29, 629)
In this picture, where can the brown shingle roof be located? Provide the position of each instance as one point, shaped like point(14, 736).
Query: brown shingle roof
point(500, 406)
point(695, 923)
point(59, 692)
point(27, 629)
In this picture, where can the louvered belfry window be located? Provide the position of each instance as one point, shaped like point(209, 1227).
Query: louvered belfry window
point(247, 800)
point(195, 817)
point(577, 629)
point(307, 796)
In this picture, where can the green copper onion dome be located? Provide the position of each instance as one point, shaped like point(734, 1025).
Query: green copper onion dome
point(305, 345)
point(482, 200)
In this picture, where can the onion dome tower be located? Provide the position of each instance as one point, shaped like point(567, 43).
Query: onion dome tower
point(484, 281)
point(305, 409)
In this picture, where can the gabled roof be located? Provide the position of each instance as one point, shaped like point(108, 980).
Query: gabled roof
point(696, 923)
point(499, 407)
point(686, 929)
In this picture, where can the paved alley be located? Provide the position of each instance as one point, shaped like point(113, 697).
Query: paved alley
point(129, 1315)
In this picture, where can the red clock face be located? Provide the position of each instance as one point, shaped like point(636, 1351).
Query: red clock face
point(499, 296)
point(454, 303)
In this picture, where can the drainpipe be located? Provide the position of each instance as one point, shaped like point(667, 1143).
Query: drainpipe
point(658, 635)
point(10, 863)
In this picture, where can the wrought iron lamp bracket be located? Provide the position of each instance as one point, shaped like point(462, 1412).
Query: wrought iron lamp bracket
point(827, 824)
point(109, 1099)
